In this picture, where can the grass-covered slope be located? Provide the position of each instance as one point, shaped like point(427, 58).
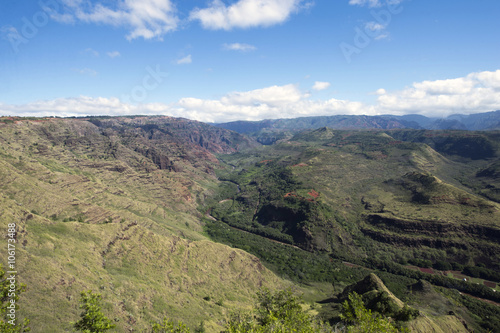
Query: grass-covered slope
point(110, 205)
point(126, 207)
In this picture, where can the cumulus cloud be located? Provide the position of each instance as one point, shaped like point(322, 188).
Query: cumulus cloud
point(318, 85)
point(239, 47)
point(272, 102)
point(185, 60)
point(476, 92)
point(67, 107)
point(146, 18)
point(245, 13)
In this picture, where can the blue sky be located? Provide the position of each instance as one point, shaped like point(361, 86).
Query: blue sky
point(227, 60)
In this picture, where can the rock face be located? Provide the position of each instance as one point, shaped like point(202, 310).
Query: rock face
point(181, 131)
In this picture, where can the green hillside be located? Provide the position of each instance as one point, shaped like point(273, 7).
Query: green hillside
point(112, 208)
point(365, 197)
point(353, 193)
point(136, 208)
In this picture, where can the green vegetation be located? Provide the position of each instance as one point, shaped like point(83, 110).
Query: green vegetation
point(486, 316)
point(287, 261)
point(152, 244)
point(168, 326)
point(134, 205)
point(366, 198)
point(92, 320)
point(300, 193)
point(10, 290)
point(279, 311)
point(362, 320)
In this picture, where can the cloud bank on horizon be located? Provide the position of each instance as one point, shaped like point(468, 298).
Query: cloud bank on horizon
point(474, 93)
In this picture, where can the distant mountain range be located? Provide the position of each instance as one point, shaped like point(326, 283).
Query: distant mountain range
point(474, 122)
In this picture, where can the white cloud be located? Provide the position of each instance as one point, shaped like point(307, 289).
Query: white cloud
point(321, 85)
point(67, 107)
point(113, 54)
point(239, 47)
point(184, 61)
point(474, 93)
point(273, 96)
point(267, 103)
point(382, 36)
point(146, 18)
point(488, 79)
point(446, 87)
point(374, 26)
point(245, 13)
point(378, 31)
point(272, 102)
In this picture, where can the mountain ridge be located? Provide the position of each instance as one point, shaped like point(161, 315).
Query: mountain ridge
point(271, 130)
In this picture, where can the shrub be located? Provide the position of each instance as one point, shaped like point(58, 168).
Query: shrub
point(92, 320)
point(362, 320)
point(8, 324)
point(168, 326)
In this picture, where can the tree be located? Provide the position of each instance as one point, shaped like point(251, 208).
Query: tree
point(362, 320)
point(275, 312)
point(9, 296)
point(168, 326)
point(92, 320)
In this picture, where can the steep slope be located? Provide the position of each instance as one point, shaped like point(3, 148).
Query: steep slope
point(110, 205)
point(143, 275)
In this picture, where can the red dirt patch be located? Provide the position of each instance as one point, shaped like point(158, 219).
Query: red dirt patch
point(427, 270)
point(313, 194)
point(299, 165)
point(490, 284)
